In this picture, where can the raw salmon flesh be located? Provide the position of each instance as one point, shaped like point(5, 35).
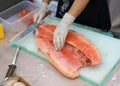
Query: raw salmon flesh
point(78, 51)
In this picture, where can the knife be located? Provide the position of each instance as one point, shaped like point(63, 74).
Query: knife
point(28, 30)
point(12, 66)
point(25, 32)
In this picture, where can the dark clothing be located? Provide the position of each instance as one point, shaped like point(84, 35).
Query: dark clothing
point(96, 14)
point(5, 4)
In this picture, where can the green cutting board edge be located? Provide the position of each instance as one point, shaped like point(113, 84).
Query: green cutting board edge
point(109, 49)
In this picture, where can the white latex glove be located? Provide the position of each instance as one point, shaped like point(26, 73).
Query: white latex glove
point(41, 13)
point(61, 31)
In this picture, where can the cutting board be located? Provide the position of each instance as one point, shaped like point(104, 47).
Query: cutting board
point(109, 49)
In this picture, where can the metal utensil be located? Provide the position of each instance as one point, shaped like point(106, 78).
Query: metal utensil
point(12, 66)
point(28, 30)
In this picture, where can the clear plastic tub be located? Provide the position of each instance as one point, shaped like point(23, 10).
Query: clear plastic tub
point(10, 20)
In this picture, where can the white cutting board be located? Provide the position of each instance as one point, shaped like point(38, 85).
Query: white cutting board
point(109, 49)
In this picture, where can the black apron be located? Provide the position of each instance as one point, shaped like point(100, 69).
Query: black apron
point(5, 4)
point(96, 14)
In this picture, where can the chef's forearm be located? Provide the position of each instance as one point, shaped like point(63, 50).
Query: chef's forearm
point(77, 7)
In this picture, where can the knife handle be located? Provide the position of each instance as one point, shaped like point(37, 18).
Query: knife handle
point(48, 13)
point(11, 70)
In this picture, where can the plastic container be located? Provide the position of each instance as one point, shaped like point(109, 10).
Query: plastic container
point(10, 20)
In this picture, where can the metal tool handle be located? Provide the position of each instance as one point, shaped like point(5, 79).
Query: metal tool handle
point(12, 66)
point(11, 70)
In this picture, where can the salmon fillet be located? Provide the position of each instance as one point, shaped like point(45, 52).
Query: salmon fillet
point(78, 51)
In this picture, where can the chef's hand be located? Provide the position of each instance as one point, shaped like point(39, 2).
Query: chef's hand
point(41, 13)
point(61, 31)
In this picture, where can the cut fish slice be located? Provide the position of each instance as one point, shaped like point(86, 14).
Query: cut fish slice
point(78, 51)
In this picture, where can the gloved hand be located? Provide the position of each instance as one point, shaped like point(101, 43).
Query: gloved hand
point(61, 31)
point(41, 13)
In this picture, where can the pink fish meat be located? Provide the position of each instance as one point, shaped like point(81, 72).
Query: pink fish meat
point(78, 51)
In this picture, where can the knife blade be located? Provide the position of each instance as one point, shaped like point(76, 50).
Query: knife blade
point(28, 30)
point(25, 32)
